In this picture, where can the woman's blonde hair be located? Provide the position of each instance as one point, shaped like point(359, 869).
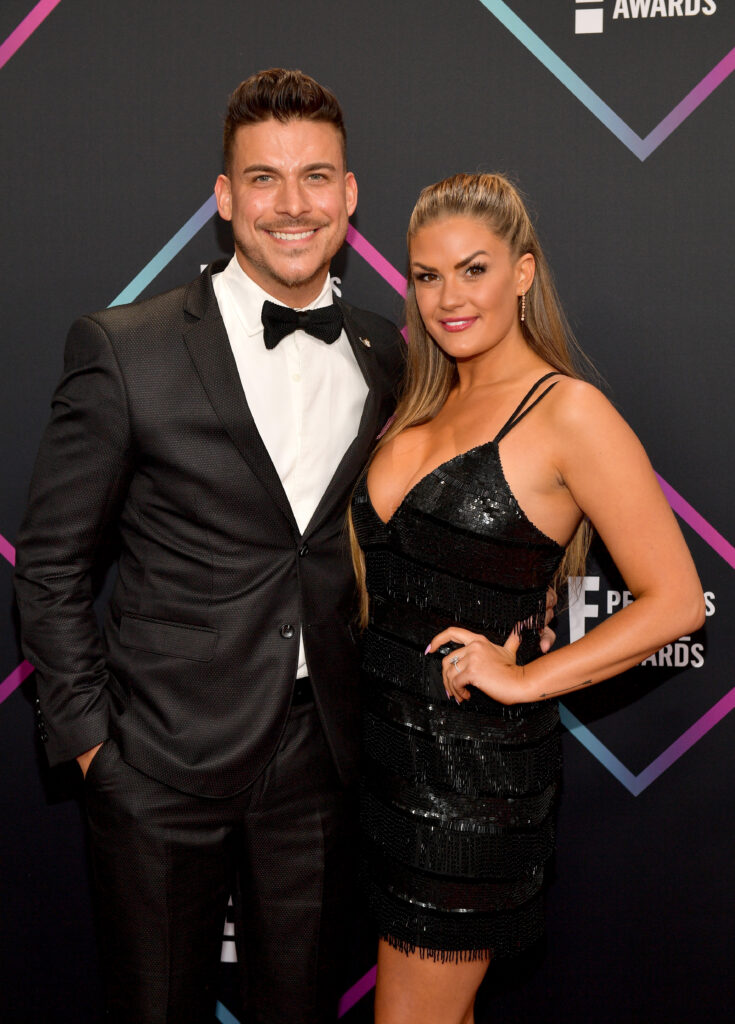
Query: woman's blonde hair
point(431, 374)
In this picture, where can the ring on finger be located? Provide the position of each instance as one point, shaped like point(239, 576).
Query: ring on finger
point(454, 661)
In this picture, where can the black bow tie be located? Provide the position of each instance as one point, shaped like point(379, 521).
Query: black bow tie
point(278, 321)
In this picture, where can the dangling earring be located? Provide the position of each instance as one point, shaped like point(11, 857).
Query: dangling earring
point(523, 307)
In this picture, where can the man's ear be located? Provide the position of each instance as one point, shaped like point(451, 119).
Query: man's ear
point(350, 192)
point(223, 192)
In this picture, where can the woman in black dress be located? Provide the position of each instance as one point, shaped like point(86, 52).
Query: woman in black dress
point(476, 499)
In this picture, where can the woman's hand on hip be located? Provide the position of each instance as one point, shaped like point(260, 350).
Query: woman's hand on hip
point(482, 664)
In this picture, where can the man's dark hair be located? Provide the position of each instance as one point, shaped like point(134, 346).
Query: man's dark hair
point(282, 94)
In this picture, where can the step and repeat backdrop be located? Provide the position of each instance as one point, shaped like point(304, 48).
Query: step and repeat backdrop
point(616, 119)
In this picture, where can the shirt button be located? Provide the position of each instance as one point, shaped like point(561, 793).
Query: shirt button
point(287, 631)
point(304, 550)
point(296, 377)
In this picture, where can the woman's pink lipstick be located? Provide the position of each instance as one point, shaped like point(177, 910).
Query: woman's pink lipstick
point(460, 324)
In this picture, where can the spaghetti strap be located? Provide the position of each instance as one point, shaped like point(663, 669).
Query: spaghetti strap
point(519, 412)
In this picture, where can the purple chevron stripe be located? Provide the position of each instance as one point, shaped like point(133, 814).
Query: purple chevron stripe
point(352, 996)
point(355, 993)
point(594, 103)
point(691, 101)
point(686, 741)
point(698, 523)
point(25, 30)
point(13, 681)
point(19, 674)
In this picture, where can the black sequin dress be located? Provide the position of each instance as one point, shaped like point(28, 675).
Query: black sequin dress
point(458, 800)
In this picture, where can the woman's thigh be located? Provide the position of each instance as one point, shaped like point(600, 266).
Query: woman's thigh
point(412, 989)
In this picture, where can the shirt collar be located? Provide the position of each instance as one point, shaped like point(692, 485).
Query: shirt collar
point(249, 296)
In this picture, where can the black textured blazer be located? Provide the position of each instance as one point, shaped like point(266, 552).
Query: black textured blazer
point(151, 439)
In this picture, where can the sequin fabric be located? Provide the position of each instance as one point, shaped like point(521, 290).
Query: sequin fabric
point(458, 801)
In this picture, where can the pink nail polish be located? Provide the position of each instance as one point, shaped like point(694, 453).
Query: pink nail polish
point(428, 648)
point(448, 693)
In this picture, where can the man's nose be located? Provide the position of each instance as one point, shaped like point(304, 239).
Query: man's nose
point(292, 198)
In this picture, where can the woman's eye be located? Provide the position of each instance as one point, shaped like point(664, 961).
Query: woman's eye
point(475, 269)
point(425, 277)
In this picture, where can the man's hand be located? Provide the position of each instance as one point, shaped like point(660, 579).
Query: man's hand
point(84, 760)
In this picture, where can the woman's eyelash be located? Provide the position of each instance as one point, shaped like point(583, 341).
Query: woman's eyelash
point(473, 270)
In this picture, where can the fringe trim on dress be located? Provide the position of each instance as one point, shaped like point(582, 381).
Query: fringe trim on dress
point(443, 956)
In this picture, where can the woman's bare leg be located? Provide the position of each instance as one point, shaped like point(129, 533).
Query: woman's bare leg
point(412, 990)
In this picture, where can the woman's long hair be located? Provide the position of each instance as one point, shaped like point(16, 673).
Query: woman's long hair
point(431, 374)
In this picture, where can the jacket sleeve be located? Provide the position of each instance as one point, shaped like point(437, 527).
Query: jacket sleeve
point(79, 483)
point(398, 361)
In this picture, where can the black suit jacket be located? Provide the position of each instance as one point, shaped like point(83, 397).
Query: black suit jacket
point(151, 437)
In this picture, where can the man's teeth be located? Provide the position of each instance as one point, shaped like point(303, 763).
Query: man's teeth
point(292, 236)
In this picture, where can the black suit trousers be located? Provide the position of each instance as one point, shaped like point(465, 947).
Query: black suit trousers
point(165, 864)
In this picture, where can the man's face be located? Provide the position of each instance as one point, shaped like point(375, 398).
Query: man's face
point(289, 198)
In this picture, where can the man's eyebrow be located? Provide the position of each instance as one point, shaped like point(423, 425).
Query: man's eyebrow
point(322, 165)
point(259, 167)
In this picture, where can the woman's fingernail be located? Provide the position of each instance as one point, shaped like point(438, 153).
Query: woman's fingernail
point(428, 648)
point(458, 700)
point(448, 693)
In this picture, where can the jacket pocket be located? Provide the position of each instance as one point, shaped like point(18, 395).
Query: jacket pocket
point(176, 639)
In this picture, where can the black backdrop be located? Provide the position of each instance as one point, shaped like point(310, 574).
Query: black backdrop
point(111, 117)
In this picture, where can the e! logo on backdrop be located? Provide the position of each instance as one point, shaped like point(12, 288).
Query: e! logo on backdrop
point(592, 599)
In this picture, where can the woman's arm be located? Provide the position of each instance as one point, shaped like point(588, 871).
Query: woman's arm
point(609, 476)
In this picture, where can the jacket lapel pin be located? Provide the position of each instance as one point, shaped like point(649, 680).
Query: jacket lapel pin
point(366, 342)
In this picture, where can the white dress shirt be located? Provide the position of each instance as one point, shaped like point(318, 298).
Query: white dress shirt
point(306, 397)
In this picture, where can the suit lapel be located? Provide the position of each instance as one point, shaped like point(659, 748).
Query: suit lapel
point(211, 353)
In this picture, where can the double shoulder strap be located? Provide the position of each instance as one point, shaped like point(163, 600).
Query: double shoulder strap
point(522, 409)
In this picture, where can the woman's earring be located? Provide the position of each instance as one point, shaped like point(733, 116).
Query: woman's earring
point(523, 307)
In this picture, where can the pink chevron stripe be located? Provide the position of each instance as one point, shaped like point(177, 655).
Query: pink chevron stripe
point(13, 681)
point(376, 260)
point(691, 101)
point(26, 29)
point(19, 674)
point(7, 551)
point(698, 523)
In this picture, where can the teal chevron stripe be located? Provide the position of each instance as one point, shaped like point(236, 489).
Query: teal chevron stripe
point(599, 751)
point(566, 76)
point(164, 256)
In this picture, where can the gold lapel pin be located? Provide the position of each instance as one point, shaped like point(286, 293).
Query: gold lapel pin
point(366, 342)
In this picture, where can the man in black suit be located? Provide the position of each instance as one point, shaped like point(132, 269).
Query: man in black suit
point(218, 434)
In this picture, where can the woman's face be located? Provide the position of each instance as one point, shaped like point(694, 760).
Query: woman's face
point(467, 285)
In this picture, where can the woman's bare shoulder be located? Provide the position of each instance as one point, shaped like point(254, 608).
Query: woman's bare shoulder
point(574, 403)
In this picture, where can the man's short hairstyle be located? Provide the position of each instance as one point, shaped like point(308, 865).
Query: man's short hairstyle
point(282, 94)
